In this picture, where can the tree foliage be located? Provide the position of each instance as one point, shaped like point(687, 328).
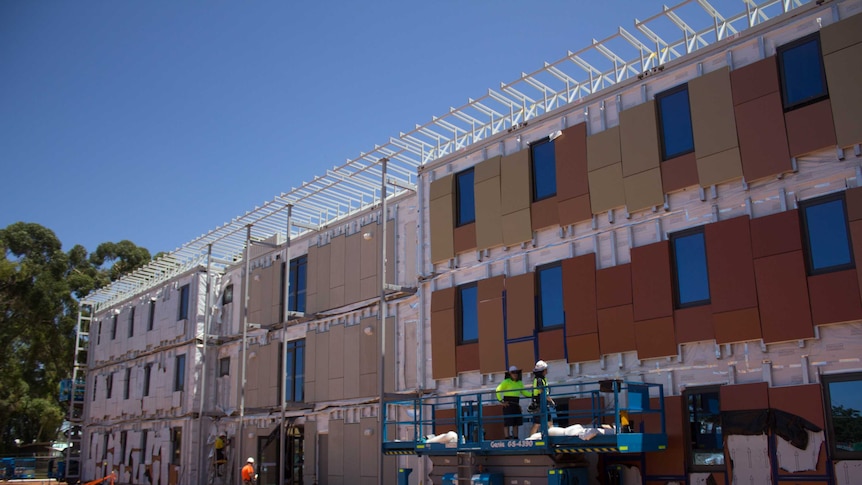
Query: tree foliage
point(39, 290)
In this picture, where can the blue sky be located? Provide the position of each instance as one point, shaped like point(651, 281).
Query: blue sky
point(156, 121)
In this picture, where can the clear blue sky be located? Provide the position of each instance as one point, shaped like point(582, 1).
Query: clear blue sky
point(156, 121)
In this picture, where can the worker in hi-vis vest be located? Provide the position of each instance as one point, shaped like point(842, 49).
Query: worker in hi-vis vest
point(510, 392)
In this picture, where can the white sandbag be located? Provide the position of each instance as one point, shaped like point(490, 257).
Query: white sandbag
point(574, 430)
point(556, 431)
point(449, 437)
point(535, 436)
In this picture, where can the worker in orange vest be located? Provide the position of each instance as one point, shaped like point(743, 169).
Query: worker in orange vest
point(248, 474)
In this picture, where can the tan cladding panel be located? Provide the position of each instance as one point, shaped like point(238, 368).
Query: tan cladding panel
point(321, 360)
point(442, 233)
point(840, 35)
point(515, 182)
point(520, 305)
point(843, 72)
point(337, 254)
point(489, 219)
point(352, 335)
point(311, 280)
point(442, 187)
point(352, 258)
point(517, 227)
point(369, 250)
point(487, 169)
point(719, 167)
point(603, 149)
point(606, 188)
point(712, 120)
point(443, 344)
point(643, 190)
point(336, 353)
point(639, 139)
point(324, 261)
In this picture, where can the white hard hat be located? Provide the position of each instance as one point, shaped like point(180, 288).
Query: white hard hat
point(540, 366)
point(514, 368)
point(250, 460)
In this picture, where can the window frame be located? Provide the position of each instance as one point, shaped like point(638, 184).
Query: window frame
point(227, 295)
point(459, 312)
point(127, 384)
point(534, 196)
point(689, 450)
point(131, 322)
point(222, 372)
point(665, 156)
point(779, 54)
point(148, 374)
point(185, 297)
point(176, 445)
point(292, 383)
point(109, 385)
point(803, 205)
point(151, 318)
point(180, 372)
point(144, 443)
point(540, 310)
point(458, 220)
point(826, 380)
point(114, 326)
point(675, 267)
point(124, 438)
point(296, 293)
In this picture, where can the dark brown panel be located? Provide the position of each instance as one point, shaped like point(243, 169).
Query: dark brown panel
point(672, 460)
point(575, 210)
point(731, 271)
point(522, 355)
point(467, 357)
point(544, 213)
point(442, 216)
point(443, 344)
point(444, 420)
point(693, 324)
point(841, 34)
point(743, 397)
point(571, 152)
point(856, 235)
point(776, 234)
point(843, 71)
point(614, 286)
point(579, 294)
point(810, 128)
point(737, 326)
point(655, 338)
point(853, 199)
point(679, 173)
point(443, 299)
point(834, 297)
point(465, 238)
point(782, 290)
point(520, 306)
point(552, 345)
point(492, 345)
point(652, 293)
point(583, 348)
point(616, 330)
point(762, 137)
point(491, 288)
point(754, 81)
point(805, 401)
point(492, 423)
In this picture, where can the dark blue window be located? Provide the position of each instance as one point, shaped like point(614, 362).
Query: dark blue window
point(800, 64)
point(674, 122)
point(690, 274)
point(550, 310)
point(706, 444)
point(844, 415)
point(180, 372)
point(824, 225)
point(184, 303)
point(296, 291)
point(468, 313)
point(544, 168)
point(295, 371)
point(465, 212)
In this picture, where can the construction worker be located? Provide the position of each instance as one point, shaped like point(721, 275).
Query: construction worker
point(249, 477)
point(540, 391)
point(220, 443)
point(510, 392)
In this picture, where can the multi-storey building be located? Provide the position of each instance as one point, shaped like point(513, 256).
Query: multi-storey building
point(675, 235)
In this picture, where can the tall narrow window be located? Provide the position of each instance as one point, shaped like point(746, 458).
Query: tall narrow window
point(550, 286)
point(151, 318)
point(109, 386)
point(180, 373)
point(143, 446)
point(127, 383)
point(105, 446)
point(826, 234)
point(844, 415)
point(295, 370)
point(224, 366)
point(95, 387)
point(227, 296)
point(298, 277)
point(706, 446)
point(674, 122)
point(176, 446)
point(148, 371)
point(691, 280)
point(132, 322)
point(543, 166)
point(99, 334)
point(114, 327)
point(124, 435)
point(465, 204)
point(183, 313)
point(800, 67)
point(468, 313)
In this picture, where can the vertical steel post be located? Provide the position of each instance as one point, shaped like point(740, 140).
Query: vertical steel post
point(382, 312)
point(245, 299)
point(283, 375)
point(202, 471)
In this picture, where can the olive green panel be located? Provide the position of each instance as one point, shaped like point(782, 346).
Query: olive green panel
point(839, 35)
point(517, 228)
point(713, 123)
point(352, 334)
point(442, 187)
point(639, 145)
point(324, 263)
point(352, 258)
point(336, 449)
point(442, 224)
point(313, 262)
point(489, 231)
point(843, 74)
point(487, 169)
point(321, 360)
point(310, 365)
point(515, 182)
point(603, 149)
point(643, 190)
point(719, 168)
point(606, 188)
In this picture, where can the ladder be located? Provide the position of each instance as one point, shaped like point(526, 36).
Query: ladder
point(78, 391)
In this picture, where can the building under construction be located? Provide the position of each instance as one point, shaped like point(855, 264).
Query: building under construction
point(668, 217)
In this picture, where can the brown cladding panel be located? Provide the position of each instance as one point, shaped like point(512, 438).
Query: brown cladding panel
point(805, 401)
point(390, 251)
point(639, 146)
point(520, 305)
point(693, 324)
point(606, 188)
point(352, 258)
point(464, 238)
point(368, 345)
point(754, 81)
point(856, 235)
point(443, 299)
point(493, 422)
point(369, 288)
point(842, 34)
point(442, 222)
point(737, 326)
point(616, 330)
point(444, 421)
point(321, 361)
point(443, 344)
point(672, 460)
point(579, 294)
point(652, 290)
point(603, 150)
point(775, 234)
point(834, 297)
point(489, 220)
point(643, 190)
point(517, 228)
point(515, 182)
point(467, 357)
point(853, 199)
point(730, 266)
point(325, 261)
point(712, 122)
point(679, 173)
point(335, 451)
point(336, 351)
point(719, 167)
point(575, 210)
point(744, 397)
point(368, 247)
point(521, 354)
point(762, 137)
point(352, 335)
point(843, 72)
point(570, 150)
point(552, 345)
point(583, 348)
point(810, 128)
point(782, 291)
point(491, 288)
point(544, 213)
point(352, 446)
point(442, 187)
point(337, 255)
point(492, 348)
point(311, 280)
point(487, 169)
point(614, 286)
point(655, 338)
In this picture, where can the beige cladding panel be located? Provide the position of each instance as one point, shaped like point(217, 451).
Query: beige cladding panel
point(277, 290)
point(719, 168)
point(643, 190)
point(843, 74)
point(324, 262)
point(389, 371)
point(369, 448)
point(310, 366)
point(352, 334)
point(352, 447)
point(336, 450)
point(713, 123)
point(517, 228)
point(839, 35)
point(336, 297)
point(369, 250)
point(639, 146)
point(487, 169)
point(442, 224)
point(369, 288)
point(267, 282)
point(309, 449)
point(603, 149)
point(313, 262)
point(441, 187)
point(321, 360)
point(515, 182)
point(337, 255)
point(336, 352)
point(606, 188)
point(368, 346)
point(352, 258)
point(489, 230)
point(391, 255)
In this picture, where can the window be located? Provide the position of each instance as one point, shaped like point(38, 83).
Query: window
point(148, 372)
point(99, 334)
point(800, 66)
point(132, 322)
point(465, 205)
point(298, 272)
point(105, 446)
point(705, 443)
point(843, 418)
point(109, 386)
point(544, 169)
point(176, 445)
point(826, 234)
point(294, 374)
point(95, 388)
point(114, 327)
point(674, 122)
point(127, 383)
point(227, 296)
point(224, 366)
point(468, 313)
point(550, 299)
point(151, 318)
point(143, 445)
point(124, 435)
point(184, 303)
point(180, 373)
point(691, 279)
